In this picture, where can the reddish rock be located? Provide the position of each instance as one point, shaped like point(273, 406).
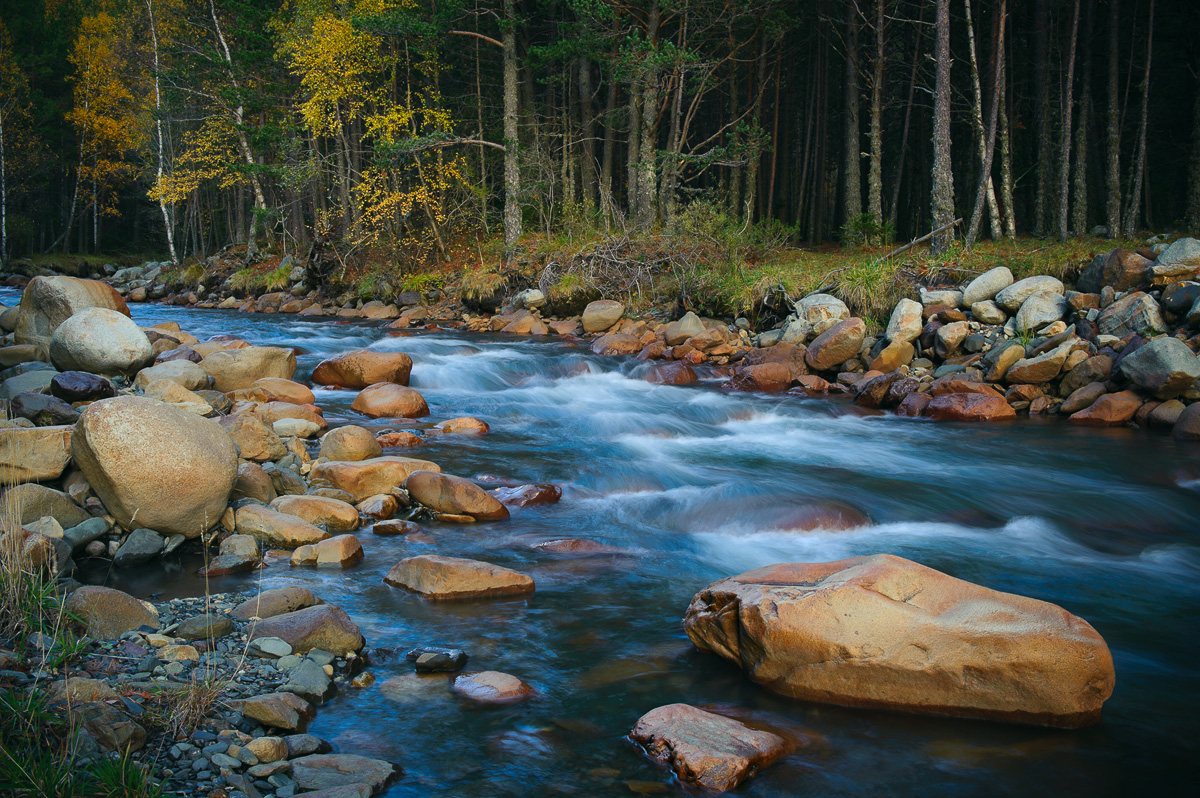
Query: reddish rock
point(1110, 410)
point(957, 384)
point(914, 405)
point(765, 377)
point(389, 400)
point(362, 367)
point(525, 495)
point(578, 547)
point(449, 578)
point(616, 344)
point(404, 439)
point(969, 407)
point(677, 373)
point(394, 528)
point(829, 515)
point(444, 493)
point(491, 687)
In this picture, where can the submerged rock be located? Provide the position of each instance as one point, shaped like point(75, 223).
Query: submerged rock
point(442, 578)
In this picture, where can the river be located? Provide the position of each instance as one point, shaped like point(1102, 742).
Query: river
point(692, 484)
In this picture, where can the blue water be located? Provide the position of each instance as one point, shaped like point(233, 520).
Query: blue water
point(692, 483)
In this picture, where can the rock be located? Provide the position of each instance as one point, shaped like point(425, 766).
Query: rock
point(362, 368)
point(389, 400)
point(1110, 410)
point(275, 528)
point(107, 614)
point(224, 564)
point(601, 314)
point(525, 495)
point(1179, 260)
point(491, 687)
point(254, 483)
point(393, 528)
point(79, 386)
point(36, 381)
point(839, 343)
point(29, 354)
point(239, 544)
point(365, 478)
point(184, 372)
point(177, 396)
point(1165, 367)
point(276, 601)
point(950, 337)
point(34, 454)
point(397, 439)
point(826, 515)
point(441, 578)
point(815, 314)
point(1082, 398)
point(80, 535)
point(464, 425)
point(204, 627)
point(142, 546)
point(254, 439)
point(905, 323)
point(617, 344)
point(341, 550)
point(281, 390)
point(1187, 425)
point(334, 515)
point(1040, 369)
point(80, 690)
point(679, 331)
point(232, 369)
point(100, 341)
point(171, 468)
point(704, 749)
point(379, 507)
point(1041, 309)
point(47, 302)
point(350, 443)
point(434, 659)
point(42, 410)
point(296, 428)
point(29, 502)
point(333, 771)
point(949, 298)
point(286, 711)
point(1012, 297)
point(1132, 313)
point(1094, 369)
point(968, 407)
point(988, 312)
point(323, 626)
point(985, 287)
point(885, 632)
point(112, 729)
point(444, 493)
point(1166, 414)
point(764, 377)
point(271, 412)
point(267, 749)
point(1122, 269)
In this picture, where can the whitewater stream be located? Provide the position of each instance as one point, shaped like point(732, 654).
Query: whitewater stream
point(693, 484)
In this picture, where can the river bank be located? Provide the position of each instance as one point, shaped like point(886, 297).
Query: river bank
point(437, 369)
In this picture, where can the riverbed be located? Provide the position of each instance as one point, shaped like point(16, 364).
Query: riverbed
point(692, 484)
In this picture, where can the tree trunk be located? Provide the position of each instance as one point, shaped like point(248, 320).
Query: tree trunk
point(1112, 177)
point(942, 173)
point(989, 150)
point(1041, 68)
point(647, 184)
point(632, 146)
point(3, 198)
point(1009, 213)
point(912, 85)
point(512, 176)
point(1193, 209)
point(980, 133)
point(875, 171)
point(1064, 161)
point(158, 129)
point(1079, 213)
point(756, 153)
point(852, 151)
point(587, 120)
point(1139, 168)
point(606, 162)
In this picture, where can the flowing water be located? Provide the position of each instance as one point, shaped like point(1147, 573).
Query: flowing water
point(693, 484)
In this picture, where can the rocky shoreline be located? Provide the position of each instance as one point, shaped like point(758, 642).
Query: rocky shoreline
point(127, 443)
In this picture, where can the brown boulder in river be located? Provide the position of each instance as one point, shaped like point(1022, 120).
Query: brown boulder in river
point(886, 632)
point(365, 478)
point(389, 400)
point(443, 578)
point(444, 493)
point(362, 367)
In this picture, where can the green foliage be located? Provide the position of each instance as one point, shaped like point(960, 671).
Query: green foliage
point(865, 231)
point(277, 279)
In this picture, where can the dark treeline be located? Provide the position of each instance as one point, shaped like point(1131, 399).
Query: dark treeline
point(399, 126)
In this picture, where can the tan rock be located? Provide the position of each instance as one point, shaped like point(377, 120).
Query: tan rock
point(366, 478)
point(444, 493)
point(239, 368)
point(286, 711)
point(334, 515)
point(270, 412)
point(616, 344)
point(276, 528)
point(1040, 369)
point(464, 425)
point(34, 454)
point(362, 368)
point(267, 749)
point(491, 687)
point(255, 440)
point(107, 613)
point(442, 578)
point(836, 345)
point(281, 390)
point(885, 632)
point(253, 483)
point(704, 749)
point(379, 507)
point(765, 377)
point(350, 443)
point(389, 400)
point(893, 356)
point(276, 601)
point(968, 407)
point(324, 626)
point(1110, 410)
point(46, 302)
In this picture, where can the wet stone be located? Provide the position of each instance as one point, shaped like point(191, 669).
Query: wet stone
point(430, 659)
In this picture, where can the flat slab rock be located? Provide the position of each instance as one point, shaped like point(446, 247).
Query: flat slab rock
point(332, 771)
point(437, 577)
point(705, 749)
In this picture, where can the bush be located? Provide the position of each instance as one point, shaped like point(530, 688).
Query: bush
point(864, 231)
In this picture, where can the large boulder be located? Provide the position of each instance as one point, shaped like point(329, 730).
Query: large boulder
point(276, 601)
point(49, 301)
point(232, 369)
point(601, 314)
point(1132, 313)
point(169, 469)
point(318, 772)
point(350, 443)
point(986, 286)
point(704, 749)
point(281, 390)
point(275, 527)
point(100, 341)
point(905, 323)
point(324, 626)
point(619, 344)
point(1040, 310)
point(1187, 424)
point(1166, 367)
point(1123, 269)
point(365, 478)
point(389, 400)
point(107, 613)
point(34, 454)
point(1040, 369)
point(1012, 297)
point(1110, 410)
point(678, 331)
point(968, 407)
point(334, 515)
point(444, 493)
point(443, 578)
point(363, 367)
point(889, 633)
point(1178, 261)
point(815, 314)
point(836, 345)
point(29, 502)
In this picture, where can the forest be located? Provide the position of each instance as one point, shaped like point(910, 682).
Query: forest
point(395, 129)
